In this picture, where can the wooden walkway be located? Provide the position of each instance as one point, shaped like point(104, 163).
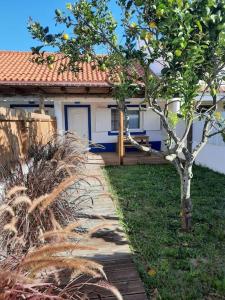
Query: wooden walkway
point(112, 246)
point(131, 158)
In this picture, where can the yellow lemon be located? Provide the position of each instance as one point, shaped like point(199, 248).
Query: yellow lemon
point(178, 52)
point(148, 36)
point(217, 115)
point(152, 24)
point(133, 25)
point(145, 35)
point(160, 12)
point(69, 6)
point(65, 36)
point(152, 272)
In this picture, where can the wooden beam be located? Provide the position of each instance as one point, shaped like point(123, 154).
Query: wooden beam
point(41, 90)
point(19, 91)
point(55, 90)
point(42, 105)
point(121, 137)
point(63, 89)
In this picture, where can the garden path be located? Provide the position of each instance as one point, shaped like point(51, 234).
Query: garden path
point(112, 246)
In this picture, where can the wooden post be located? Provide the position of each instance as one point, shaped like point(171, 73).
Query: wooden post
point(42, 105)
point(121, 138)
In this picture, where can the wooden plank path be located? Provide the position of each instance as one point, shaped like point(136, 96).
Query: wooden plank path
point(112, 246)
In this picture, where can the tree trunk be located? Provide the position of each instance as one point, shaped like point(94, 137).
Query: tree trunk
point(186, 203)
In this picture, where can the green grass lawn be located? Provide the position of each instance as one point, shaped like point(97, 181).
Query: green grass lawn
point(173, 264)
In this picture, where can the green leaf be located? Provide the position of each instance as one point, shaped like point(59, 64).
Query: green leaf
point(213, 18)
point(180, 3)
point(49, 38)
point(58, 12)
point(36, 50)
point(199, 25)
point(173, 119)
point(46, 30)
point(139, 2)
point(129, 4)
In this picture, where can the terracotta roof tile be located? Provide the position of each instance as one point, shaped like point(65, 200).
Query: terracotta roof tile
point(17, 69)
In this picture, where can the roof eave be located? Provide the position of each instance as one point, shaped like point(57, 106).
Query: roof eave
point(55, 84)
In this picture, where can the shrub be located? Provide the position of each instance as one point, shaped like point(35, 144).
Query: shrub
point(23, 220)
point(41, 274)
point(46, 165)
point(45, 194)
point(39, 230)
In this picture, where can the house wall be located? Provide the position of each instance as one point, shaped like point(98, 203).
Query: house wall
point(213, 157)
point(101, 121)
point(27, 103)
point(213, 154)
point(100, 117)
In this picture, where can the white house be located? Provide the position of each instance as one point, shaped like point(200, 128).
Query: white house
point(82, 103)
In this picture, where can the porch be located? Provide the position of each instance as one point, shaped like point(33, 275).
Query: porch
point(130, 158)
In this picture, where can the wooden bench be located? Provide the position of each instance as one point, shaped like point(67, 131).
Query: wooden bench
point(141, 139)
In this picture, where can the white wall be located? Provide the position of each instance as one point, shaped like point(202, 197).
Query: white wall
point(26, 100)
point(213, 157)
point(99, 131)
point(213, 154)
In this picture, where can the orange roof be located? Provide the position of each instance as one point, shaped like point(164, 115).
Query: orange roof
point(17, 69)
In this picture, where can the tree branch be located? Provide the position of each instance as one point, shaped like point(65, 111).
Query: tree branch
point(215, 133)
point(204, 139)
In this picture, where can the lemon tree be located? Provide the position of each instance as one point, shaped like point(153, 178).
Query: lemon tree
point(185, 37)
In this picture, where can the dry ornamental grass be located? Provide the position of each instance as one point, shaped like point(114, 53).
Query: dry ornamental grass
point(46, 196)
point(39, 227)
point(41, 273)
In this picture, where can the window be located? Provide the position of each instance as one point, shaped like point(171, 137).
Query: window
point(204, 108)
point(134, 119)
point(115, 120)
point(49, 109)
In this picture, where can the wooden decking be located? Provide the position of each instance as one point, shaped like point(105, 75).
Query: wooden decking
point(122, 274)
point(112, 246)
point(132, 158)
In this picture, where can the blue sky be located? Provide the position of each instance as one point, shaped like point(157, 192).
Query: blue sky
point(14, 15)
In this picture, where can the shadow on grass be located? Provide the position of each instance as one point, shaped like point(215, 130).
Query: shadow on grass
point(182, 266)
